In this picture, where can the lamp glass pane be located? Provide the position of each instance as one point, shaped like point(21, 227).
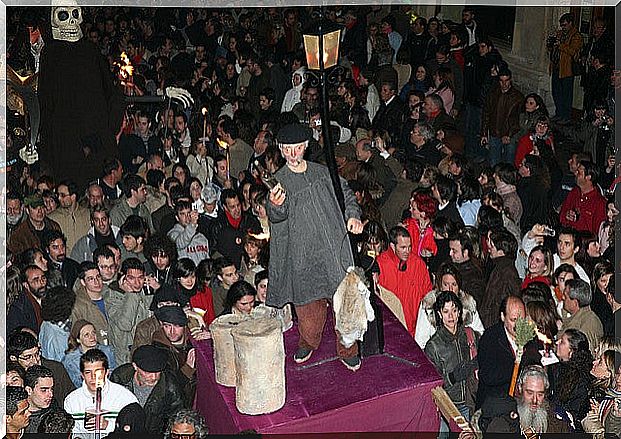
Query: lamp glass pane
point(331, 48)
point(311, 47)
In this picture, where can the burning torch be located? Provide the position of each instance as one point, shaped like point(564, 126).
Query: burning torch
point(126, 74)
point(547, 343)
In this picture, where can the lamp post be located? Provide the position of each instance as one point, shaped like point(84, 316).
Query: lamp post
point(322, 51)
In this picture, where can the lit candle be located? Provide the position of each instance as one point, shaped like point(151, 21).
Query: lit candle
point(99, 382)
point(204, 112)
point(225, 146)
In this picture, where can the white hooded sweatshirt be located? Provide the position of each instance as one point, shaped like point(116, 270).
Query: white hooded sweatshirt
point(292, 96)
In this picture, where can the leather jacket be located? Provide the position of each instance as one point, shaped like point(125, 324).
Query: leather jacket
point(451, 356)
point(165, 399)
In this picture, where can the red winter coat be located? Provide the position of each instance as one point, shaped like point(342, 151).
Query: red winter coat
point(525, 147)
point(428, 242)
point(410, 286)
point(204, 300)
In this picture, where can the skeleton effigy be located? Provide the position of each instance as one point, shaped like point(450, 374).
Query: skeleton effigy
point(81, 109)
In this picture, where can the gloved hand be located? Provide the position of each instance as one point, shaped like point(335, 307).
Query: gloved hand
point(463, 371)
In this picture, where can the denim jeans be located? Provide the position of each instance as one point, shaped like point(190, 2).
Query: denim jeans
point(472, 130)
point(444, 427)
point(499, 152)
point(563, 95)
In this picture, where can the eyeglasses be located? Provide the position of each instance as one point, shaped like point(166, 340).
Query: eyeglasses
point(34, 356)
point(182, 435)
point(39, 279)
point(107, 267)
point(93, 278)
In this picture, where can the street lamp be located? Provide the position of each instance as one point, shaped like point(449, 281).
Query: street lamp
point(324, 39)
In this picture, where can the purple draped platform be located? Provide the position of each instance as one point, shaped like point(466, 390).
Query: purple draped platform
point(390, 392)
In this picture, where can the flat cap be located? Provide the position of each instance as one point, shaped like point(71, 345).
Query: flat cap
point(150, 358)
point(171, 314)
point(293, 134)
point(34, 200)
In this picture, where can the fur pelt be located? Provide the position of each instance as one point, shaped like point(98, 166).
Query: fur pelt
point(468, 302)
point(352, 307)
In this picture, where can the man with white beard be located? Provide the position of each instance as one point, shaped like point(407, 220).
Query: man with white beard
point(537, 414)
point(14, 211)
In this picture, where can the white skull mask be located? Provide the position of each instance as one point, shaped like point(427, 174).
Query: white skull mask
point(66, 22)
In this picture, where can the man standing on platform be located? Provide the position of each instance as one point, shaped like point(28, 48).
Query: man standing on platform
point(309, 250)
point(404, 273)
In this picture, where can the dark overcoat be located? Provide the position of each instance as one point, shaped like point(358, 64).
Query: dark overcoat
point(309, 250)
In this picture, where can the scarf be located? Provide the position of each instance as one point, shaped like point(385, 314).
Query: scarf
point(503, 188)
point(433, 115)
point(232, 221)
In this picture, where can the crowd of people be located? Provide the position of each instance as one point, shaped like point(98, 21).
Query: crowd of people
point(452, 173)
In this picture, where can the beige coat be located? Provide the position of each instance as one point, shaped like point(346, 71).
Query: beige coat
point(586, 321)
point(84, 308)
point(74, 222)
